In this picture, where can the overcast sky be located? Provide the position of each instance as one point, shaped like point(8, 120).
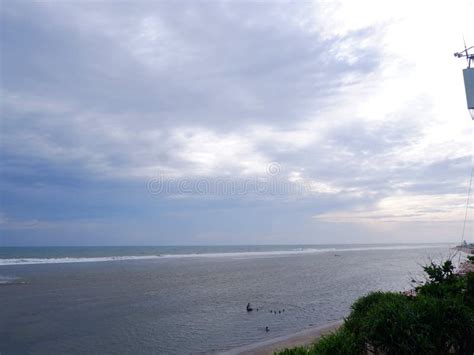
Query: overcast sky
point(233, 122)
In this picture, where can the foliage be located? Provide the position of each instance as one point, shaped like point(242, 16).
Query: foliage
point(442, 282)
point(438, 320)
point(469, 294)
point(300, 350)
point(440, 273)
point(338, 343)
point(446, 324)
point(388, 324)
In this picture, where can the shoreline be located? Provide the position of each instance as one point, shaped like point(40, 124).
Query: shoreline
point(302, 338)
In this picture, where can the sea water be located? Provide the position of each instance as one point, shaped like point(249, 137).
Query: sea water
point(178, 300)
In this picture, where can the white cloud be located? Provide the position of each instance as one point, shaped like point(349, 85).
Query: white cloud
point(403, 208)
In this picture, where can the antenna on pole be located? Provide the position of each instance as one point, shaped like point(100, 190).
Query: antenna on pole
point(465, 53)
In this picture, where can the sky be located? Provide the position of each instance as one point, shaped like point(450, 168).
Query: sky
point(219, 122)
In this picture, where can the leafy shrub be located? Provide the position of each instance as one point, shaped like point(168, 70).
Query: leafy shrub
point(341, 342)
point(300, 350)
point(390, 325)
point(446, 324)
point(440, 273)
point(469, 294)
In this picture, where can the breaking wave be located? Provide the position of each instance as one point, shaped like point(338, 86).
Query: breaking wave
point(230, 254)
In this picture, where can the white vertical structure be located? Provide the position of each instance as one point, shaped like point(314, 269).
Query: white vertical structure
point(469, 85)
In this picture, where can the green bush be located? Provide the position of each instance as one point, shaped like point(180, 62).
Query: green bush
point(364, 318)
point(389, 325)
point(442, 281)
point(443, 272)
point(341, 342)
point(447, 324)
point(469, 294)
point(300, 350)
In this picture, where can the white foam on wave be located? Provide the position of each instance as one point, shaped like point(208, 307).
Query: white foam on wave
point(235, 255)
point(10, 280)
point(32, 261)
point(251, 254)
point(299, 251)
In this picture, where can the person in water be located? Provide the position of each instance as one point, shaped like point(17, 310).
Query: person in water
point(249, 308)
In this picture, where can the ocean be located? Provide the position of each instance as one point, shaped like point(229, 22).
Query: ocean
point(183, 300)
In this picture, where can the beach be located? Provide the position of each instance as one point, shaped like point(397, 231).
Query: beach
point(302, 338)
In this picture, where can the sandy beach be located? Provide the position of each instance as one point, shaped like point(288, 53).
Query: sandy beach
point(305, 337)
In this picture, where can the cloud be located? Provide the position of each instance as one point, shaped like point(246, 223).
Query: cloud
point(365, 108)
point(403, 208)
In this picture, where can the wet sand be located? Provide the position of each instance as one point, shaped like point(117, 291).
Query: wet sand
point(303, 338)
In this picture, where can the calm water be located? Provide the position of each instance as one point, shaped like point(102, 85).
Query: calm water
point(186, 299)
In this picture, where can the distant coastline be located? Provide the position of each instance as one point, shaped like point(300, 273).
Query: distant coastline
point(465, 247)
